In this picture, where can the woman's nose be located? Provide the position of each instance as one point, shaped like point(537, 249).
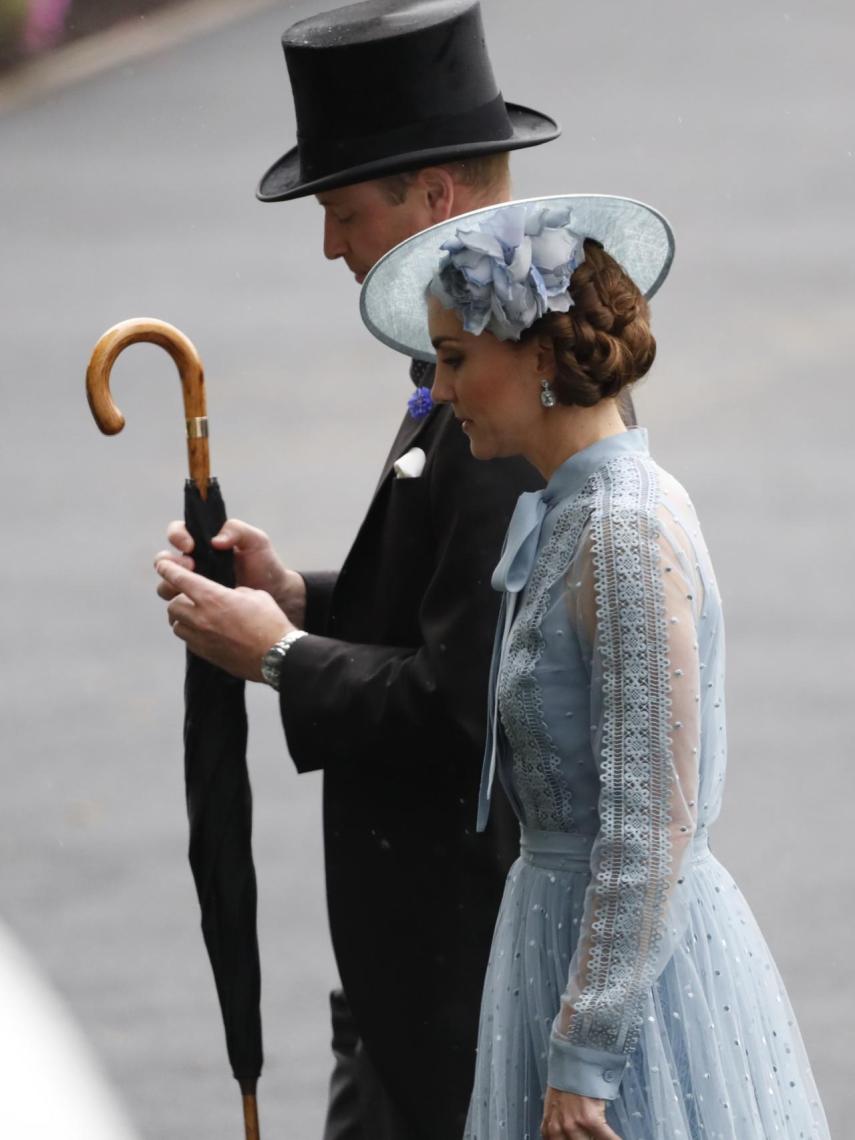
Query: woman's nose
point(441, 391)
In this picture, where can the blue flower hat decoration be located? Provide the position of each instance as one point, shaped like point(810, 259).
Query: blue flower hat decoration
point(504, 273)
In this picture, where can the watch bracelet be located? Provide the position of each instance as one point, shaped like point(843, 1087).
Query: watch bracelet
point(271, 662)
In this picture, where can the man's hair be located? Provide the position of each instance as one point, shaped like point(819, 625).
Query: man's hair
point(487, 173)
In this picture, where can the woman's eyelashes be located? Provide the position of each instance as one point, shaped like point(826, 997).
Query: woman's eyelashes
point(452, 361)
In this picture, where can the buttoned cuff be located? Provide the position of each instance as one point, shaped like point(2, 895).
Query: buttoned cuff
point(587, 1072)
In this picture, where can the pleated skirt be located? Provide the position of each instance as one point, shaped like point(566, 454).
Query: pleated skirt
point(720, 1056)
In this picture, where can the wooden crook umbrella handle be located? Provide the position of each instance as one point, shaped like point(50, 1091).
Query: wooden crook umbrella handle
point(108, 417)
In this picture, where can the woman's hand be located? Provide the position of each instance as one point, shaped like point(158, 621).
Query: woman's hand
point(256, 564)
point(568, 1116)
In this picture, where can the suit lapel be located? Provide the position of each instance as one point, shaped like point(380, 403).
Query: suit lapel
point(410, 430)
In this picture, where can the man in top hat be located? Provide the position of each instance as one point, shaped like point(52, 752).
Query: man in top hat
point(381, 667)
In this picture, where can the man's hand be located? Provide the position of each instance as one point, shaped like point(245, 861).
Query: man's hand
point(568, 1116)
point(229, 628)
point(256, 564)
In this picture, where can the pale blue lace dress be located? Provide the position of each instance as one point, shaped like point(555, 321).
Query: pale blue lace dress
point(626, 963)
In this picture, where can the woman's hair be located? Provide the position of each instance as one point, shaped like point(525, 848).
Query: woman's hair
point(604, 341)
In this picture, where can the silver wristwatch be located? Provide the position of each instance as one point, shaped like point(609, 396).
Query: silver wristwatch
point(271, 662)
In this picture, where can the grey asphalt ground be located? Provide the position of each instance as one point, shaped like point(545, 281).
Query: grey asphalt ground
point(132, 194)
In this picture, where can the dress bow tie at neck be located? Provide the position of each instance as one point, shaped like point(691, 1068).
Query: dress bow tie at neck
point(517, 561)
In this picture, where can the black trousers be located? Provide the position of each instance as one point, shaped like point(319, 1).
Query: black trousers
point(359, 1107)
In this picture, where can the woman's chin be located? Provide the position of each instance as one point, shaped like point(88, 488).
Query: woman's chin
point(480, 451)
point(488, 448)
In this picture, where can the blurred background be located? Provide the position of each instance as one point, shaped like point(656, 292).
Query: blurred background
point(129, 158)
point(29, 28)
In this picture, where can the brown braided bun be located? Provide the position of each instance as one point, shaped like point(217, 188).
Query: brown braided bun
point(604, 341)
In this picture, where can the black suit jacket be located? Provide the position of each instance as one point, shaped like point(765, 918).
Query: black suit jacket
point(388, 696)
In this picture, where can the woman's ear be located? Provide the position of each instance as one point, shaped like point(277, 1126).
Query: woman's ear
point(545, 357)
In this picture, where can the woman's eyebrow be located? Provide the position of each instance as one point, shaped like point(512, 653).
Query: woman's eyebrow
point(438, 340)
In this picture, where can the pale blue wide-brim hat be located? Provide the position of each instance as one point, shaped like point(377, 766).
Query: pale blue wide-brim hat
point(393, 300)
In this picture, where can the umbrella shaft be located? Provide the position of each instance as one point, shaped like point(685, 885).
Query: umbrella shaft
point(250, 1117)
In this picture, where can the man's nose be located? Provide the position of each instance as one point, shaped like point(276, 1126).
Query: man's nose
point(334, 245)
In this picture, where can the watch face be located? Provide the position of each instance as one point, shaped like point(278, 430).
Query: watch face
point(271, 665)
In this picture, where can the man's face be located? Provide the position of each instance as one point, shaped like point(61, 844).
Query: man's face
point(361, 223)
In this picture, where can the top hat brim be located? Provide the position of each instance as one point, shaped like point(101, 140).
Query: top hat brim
point(393, 301)
point(284, 181)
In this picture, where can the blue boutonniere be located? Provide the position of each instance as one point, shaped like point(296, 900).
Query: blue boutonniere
point(420, 404)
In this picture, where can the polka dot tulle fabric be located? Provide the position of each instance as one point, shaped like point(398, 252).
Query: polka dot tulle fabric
point(626, 963)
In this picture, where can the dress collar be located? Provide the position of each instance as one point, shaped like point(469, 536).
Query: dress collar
point(523, 537)
point(574, 472)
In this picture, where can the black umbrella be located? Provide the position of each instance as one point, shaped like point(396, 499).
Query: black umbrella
point(219, 799)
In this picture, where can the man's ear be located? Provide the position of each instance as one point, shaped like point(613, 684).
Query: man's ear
point(438, 189)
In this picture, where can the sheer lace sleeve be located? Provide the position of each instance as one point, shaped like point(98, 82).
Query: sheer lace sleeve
point(632, 593)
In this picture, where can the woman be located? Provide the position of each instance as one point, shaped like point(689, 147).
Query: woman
point(629, 993)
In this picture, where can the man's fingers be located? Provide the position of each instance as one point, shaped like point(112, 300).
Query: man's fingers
point(165, 589)
point(238, 535)
point(180, 559)
point(179, 536)
point(180, 608)
point(194, 586)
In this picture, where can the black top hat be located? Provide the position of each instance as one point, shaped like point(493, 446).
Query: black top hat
point(383, 87)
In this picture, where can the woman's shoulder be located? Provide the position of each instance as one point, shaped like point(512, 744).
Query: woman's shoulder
point(637, 483)
point(635, 491)
point(675, 498)
point(630, 483)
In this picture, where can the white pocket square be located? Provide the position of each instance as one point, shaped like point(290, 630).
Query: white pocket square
point(411, 464)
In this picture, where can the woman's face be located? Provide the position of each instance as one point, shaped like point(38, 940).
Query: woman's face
point(493, 386)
